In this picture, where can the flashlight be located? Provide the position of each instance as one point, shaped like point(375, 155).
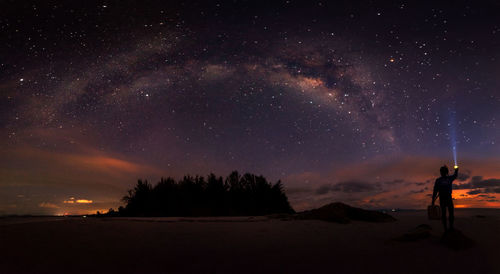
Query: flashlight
point(455, 166)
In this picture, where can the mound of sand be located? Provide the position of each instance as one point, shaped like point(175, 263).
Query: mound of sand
point(342, 213)
point(422, 231)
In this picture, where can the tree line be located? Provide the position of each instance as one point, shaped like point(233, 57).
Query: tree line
point(235, 195)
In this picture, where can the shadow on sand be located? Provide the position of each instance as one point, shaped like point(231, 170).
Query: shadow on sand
point(342, 213)
point(454, 239)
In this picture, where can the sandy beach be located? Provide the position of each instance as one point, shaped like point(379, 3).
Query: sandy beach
point(244, 245)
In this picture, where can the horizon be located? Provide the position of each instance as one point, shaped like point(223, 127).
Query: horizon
point(354, 102)
point(385, 210)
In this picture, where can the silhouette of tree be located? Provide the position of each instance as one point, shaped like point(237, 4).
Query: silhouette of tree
point(236, 195)
point(139, 200)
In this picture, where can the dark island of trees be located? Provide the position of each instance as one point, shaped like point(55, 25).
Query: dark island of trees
point(236, 195)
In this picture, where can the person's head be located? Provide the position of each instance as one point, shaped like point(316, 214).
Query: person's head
point(444, 170)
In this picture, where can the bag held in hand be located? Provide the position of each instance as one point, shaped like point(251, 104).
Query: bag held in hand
point(434, 212)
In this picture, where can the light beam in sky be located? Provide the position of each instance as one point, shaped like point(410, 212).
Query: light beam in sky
point(453, 137)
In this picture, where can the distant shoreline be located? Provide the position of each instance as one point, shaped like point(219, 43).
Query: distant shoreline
point(94, 215)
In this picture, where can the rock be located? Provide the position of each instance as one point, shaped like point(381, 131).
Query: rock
point(342, 213)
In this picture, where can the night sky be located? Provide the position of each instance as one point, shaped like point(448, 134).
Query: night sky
point(358, 102)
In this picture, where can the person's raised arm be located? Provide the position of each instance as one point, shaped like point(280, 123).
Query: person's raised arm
point(454, 176)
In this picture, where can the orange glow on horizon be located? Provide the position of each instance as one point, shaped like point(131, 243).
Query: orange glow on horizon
point(82, 212)
point(78, 201)
point(83, 201)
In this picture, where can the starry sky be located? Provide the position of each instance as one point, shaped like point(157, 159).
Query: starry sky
point(355, 101)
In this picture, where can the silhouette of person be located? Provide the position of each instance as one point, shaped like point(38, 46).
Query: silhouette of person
point(443, 186)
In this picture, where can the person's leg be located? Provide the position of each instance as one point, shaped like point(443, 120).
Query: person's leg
point(443, 213)
point(452, 214)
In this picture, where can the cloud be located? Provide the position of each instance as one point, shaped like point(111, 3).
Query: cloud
point(44, 177)
point(387, 168)
point(394, 182)
point(479, 182)
point(323, 189)
point(81, 161)
point(388, 178)
point(486, 196)
point(476, 179)
point(418, 168)
point(417, 191)
point(297, 190)
point(487, 183)
point(463, 175)
point(48, 205)
point(492, 190)
point(463, 186)
point(78, 201)
point(474, 192)
point(349, 187)
point(83, 201)
point(356, 186)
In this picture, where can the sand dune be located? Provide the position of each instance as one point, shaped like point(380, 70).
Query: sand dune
point(247, 245)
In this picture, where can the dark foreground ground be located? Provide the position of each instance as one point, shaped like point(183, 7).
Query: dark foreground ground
point(244, 245)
